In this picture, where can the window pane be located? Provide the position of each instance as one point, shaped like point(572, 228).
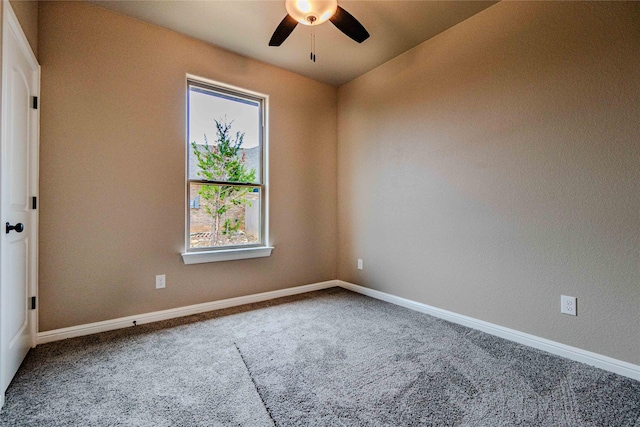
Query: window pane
point(224, 137)
point(223, 215)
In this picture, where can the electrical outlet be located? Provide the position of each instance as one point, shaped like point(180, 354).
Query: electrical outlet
point(568, 305)
point(360, 267)
point(161, 281)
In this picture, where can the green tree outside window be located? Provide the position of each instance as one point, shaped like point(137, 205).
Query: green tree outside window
point(224, 162)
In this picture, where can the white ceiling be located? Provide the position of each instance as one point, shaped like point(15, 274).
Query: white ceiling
point(245, 27)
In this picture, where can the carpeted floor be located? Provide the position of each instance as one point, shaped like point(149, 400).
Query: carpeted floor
point(324, 358)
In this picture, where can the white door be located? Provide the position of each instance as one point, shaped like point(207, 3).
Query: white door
point(18, 185)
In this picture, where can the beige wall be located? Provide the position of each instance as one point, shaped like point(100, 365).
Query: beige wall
point(27, 13)
point(497, 166)
point(112, 170)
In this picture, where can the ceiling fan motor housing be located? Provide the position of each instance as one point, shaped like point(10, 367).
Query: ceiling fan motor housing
point(311, 12)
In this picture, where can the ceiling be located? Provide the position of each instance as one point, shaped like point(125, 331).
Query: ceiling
point(245, 27)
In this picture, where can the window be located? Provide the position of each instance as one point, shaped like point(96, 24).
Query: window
point(226, 174)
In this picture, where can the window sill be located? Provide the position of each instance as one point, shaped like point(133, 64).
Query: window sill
point(226, 255)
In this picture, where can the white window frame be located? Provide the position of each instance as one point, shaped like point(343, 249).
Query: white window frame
point(205, 255)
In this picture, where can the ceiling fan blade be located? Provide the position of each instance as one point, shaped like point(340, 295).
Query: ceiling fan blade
point(349, 25)
point(282, 32)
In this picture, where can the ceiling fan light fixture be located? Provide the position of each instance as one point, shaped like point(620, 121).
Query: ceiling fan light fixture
point(311, 12)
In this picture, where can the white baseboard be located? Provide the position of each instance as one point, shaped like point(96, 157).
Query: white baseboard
point(599, 361)
point(125, 322)
point(594, 359)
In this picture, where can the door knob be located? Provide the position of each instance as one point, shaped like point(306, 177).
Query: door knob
point(19, 227)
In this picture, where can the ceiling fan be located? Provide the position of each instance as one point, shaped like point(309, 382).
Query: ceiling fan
point(315, 12)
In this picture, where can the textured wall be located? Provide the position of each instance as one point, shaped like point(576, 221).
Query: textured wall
point(27, 13)
point(113, 165)
point(497, 166)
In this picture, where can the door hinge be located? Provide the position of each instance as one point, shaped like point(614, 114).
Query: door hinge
point(34, 202)
point(35, 102)
point(33, 303)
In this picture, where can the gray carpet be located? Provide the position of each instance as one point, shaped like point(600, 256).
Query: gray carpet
point(169, 377)
point(324, 358)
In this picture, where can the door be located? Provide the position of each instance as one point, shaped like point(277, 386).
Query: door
point(18, 185)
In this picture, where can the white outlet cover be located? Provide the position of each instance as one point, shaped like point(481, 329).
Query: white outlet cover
point(360, 267)
point(568, 305)
point(161, 281)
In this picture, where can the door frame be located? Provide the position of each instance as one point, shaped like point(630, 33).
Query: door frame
point(11, 26)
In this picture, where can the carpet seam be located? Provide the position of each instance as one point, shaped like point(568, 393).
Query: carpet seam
point(266, 407)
